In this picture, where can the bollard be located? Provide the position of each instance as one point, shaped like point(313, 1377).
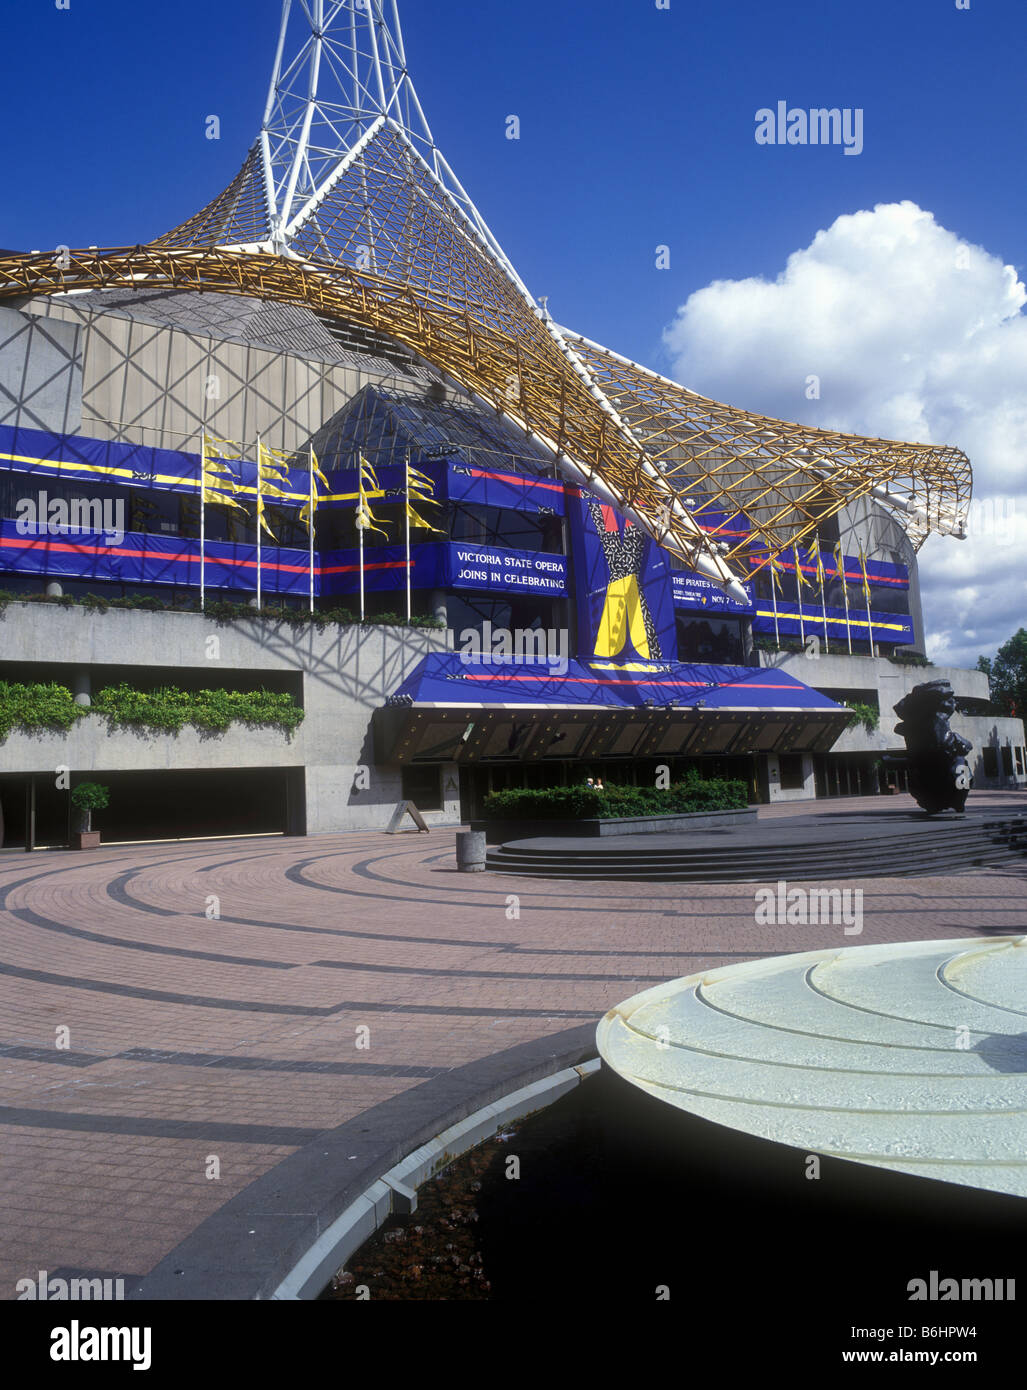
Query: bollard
point(470, 851)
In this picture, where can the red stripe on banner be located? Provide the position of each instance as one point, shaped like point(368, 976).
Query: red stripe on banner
point(183, 556)
point(597, 680)
point(517, 481)
point(355, 569)
point(838, 574)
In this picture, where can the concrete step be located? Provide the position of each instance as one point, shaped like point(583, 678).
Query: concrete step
point(950, 849)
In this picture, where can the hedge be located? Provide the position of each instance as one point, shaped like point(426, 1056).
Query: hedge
point(693, 793)
point(32, 707)
point(51, 707)
point(169, 709)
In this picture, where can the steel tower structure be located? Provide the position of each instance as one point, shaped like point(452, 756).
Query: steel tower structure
point(345, 203)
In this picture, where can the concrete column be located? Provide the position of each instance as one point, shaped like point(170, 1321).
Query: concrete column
point(82, 686)
point(439, 605)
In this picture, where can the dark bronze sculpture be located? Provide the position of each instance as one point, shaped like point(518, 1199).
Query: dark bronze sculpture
point(939, 776)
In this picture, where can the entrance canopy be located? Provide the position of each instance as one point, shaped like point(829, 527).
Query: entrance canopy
point(459, 708)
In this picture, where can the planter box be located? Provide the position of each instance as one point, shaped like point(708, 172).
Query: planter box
point(85, 839)
point(501, 831)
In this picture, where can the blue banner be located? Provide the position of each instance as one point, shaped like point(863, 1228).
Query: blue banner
point(139, 559)
point(695, 594)
point(495, 569)
point(76, 459)
point(887, 627)
point(878, 571)
point(495, 488)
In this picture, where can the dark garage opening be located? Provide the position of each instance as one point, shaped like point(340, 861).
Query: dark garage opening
point(164, 805)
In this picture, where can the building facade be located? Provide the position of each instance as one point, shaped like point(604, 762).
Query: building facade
point(324, 435)
point(624, 660)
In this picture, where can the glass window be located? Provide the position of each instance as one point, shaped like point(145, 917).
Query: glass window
point(715, 640)
point(791, 772)
point(423, 786)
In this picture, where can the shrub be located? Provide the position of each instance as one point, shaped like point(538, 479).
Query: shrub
point(34, 706)
point(91, 796)
point(617, 802)
point(901, 657)
point(169, 709)
point(867, 715)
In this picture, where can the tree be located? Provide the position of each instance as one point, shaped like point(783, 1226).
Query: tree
point(1008, 674)
point(88, 797)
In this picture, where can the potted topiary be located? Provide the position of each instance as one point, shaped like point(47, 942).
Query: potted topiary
point(88, 797)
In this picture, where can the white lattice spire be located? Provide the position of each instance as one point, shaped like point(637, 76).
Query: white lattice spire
point(340, 76)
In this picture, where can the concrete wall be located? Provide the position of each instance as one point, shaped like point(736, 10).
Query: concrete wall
point(776, 792)
point(892, 682)
point(40, 372)
point(346, 674)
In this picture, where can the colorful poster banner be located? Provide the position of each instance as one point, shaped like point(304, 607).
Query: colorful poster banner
point(622, 584)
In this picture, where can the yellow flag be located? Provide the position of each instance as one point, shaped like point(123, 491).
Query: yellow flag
point(366, 520)
point(221, 499)
point(415, 520)
point(368, 475)
point(798, 569)
point(814, 550)
point(420, 480)
point(317, 471)
point(263, 524)
point(863, 567)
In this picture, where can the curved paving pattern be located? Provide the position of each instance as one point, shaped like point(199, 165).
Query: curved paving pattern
point(233, 1036)
point(910, 1056)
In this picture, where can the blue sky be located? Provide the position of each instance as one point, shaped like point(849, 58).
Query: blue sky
point(637, 131)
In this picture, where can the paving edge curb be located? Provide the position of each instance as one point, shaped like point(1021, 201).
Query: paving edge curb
point(249, 1246)
point(393, 1191)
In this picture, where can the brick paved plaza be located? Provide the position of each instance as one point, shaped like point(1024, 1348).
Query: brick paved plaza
point(234, 1037)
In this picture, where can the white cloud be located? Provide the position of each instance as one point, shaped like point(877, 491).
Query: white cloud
point(914, 334)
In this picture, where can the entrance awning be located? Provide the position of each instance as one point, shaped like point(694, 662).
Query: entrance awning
point(453, 708)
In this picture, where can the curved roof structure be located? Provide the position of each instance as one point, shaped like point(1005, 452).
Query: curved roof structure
point(345, 203)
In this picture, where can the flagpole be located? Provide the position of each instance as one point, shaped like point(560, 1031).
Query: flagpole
point(798, 595)
point(840, 562)
point(406, 491)
point(361, 525)
point(866, 596)
point(310, 527)
point(260, 514)
point(823, 600)
point(203, 505)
